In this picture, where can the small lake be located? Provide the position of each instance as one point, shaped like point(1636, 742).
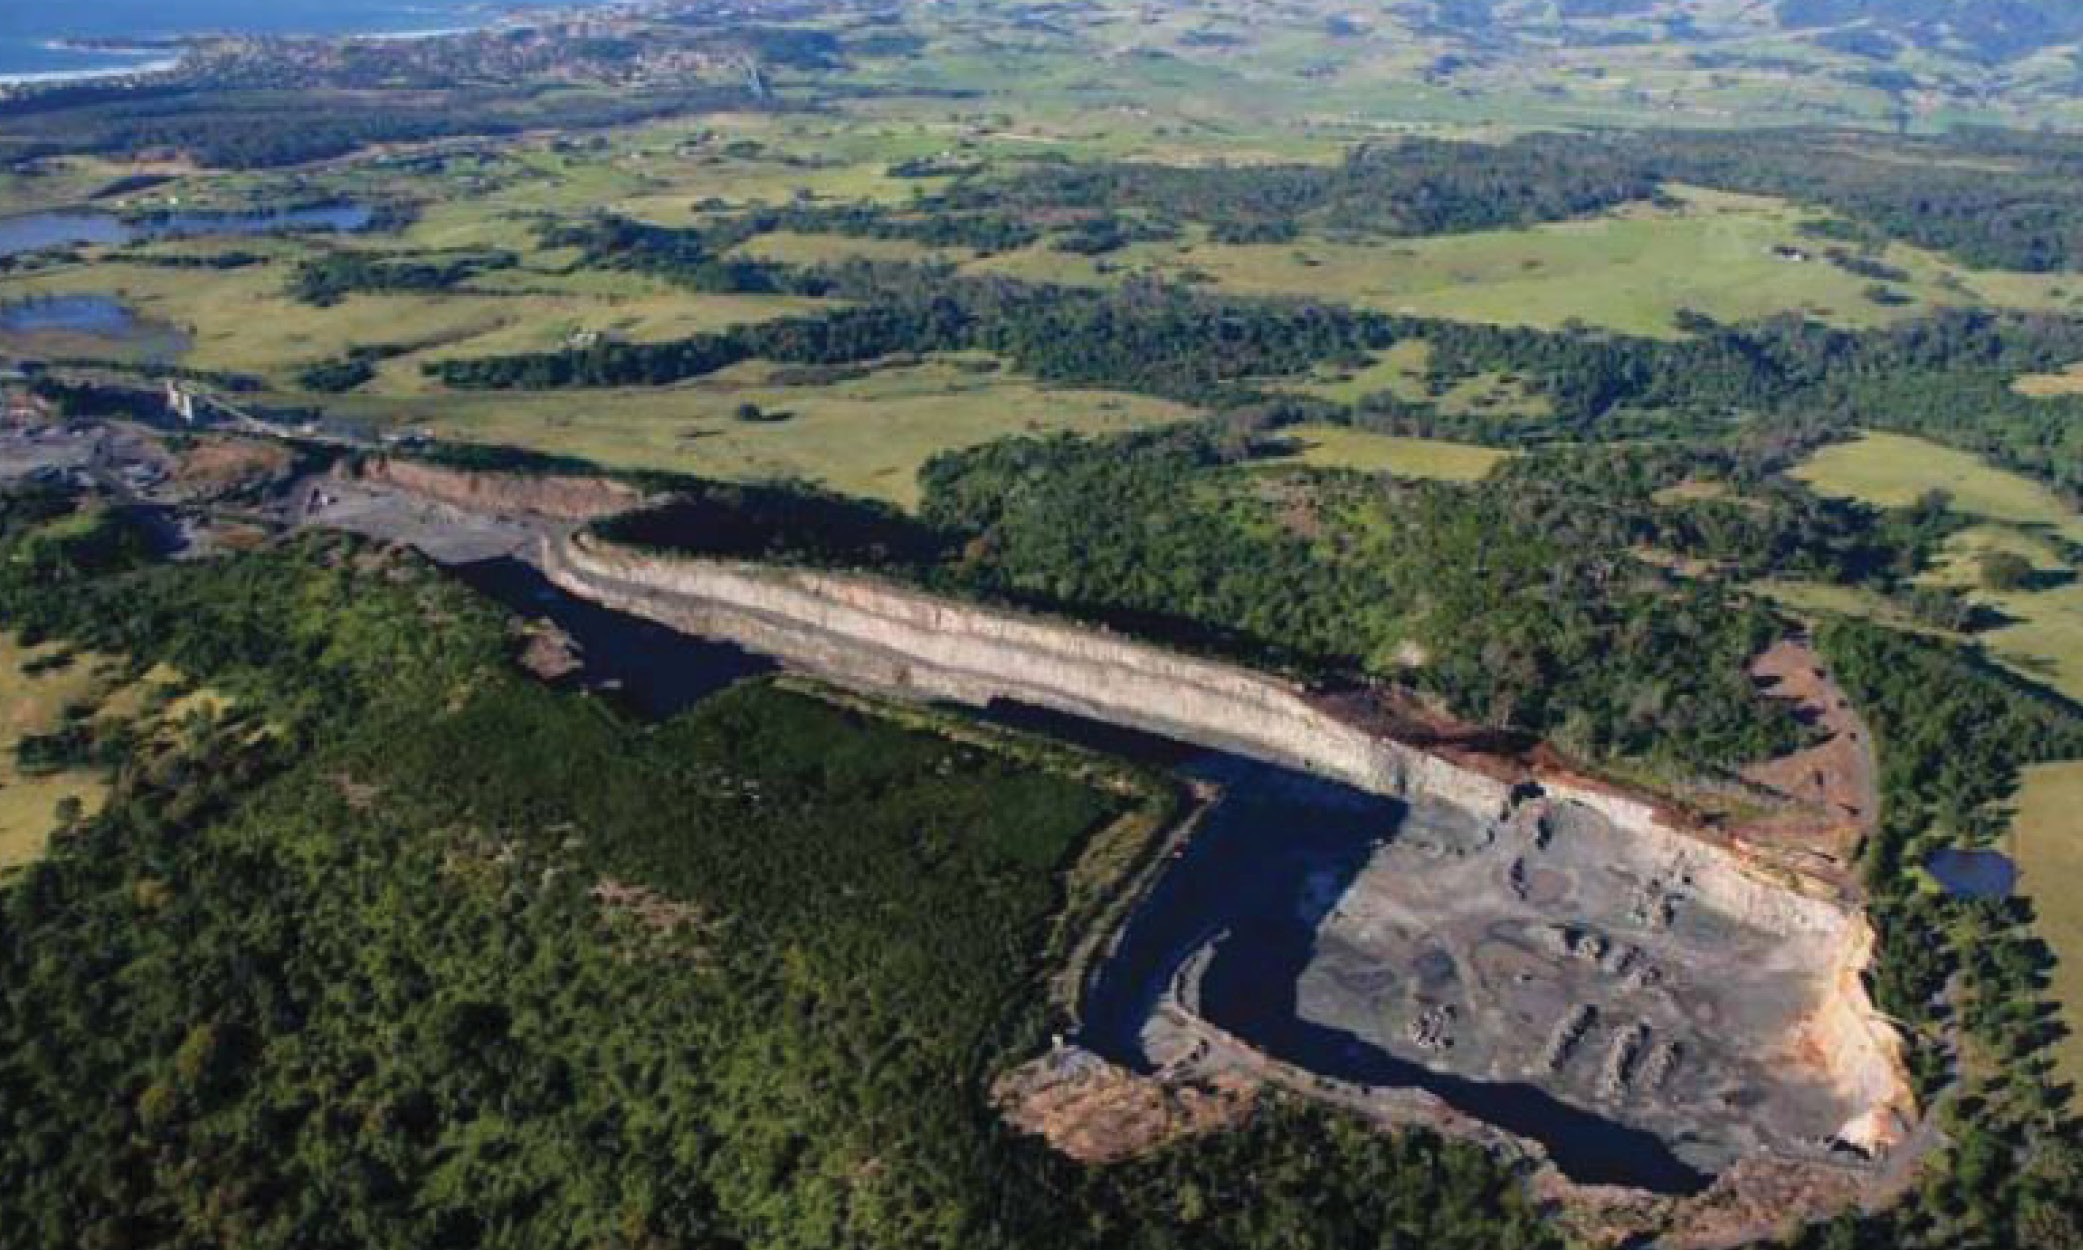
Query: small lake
point(88, 323)
point(67, 314)
point(1974, 874)
point(35, 231)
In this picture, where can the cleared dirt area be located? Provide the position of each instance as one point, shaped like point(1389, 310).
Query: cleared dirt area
point(1099, 1112)
point(214, 466)
point(1830, 794)
point(2050, 385)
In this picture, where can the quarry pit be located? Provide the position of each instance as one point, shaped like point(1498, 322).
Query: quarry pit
point(1499, 935)
point(1541, 970)
point(1647, 1012)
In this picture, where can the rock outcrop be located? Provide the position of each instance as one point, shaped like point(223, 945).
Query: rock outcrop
point(549, 496)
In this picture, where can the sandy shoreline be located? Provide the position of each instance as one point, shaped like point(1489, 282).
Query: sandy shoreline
point(161, 63)
point(158, 65)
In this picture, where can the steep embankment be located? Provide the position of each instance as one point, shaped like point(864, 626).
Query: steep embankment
point(549, 496)
point(860, 630)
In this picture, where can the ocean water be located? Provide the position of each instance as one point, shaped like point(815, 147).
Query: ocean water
point(33, 32)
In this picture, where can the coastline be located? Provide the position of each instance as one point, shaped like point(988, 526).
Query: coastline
point(27, 78)
point(171, 51)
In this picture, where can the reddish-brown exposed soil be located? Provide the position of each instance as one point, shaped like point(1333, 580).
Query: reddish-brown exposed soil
point(214, 466)
point(1828, 791)
point(1096, 1112)
point(557, 497)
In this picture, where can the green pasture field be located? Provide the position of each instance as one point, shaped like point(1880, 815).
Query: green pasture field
point(244, 319)
point(2043, 640)
point(1894, 470)
point(31, 704)
point(1341, 447)
point(1633, 270)
point(2044, 633)
point(1821, 599)
point(2047, 839)
point(2044, 636)
point(864, 436)
point(819, 249)
point(1401, 372)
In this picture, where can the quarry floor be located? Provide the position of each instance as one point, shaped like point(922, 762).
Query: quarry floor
point(1546, 975)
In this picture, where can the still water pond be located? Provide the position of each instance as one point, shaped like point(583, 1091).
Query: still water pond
point(1974, 874)
point(35, 231)
point(67, 314)
point(87, 323)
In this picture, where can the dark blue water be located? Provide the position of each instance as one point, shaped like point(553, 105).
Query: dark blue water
point(29, 28)
point(31, 232)
point(1974, 874)
point(69, 314)
point(656, 672)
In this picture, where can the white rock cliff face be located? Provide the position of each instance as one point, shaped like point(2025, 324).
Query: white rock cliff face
point(860, 630)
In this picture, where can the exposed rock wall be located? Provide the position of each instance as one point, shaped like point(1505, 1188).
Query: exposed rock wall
point(860, 630)
point(555, 497)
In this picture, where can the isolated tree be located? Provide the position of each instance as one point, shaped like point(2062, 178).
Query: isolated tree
point(2005, 570)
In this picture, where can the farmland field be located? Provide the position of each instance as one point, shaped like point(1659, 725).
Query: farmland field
point(864, 435)
point(1339, 447)
point(2042, 636)
point(1893, 470)
point(244, 319)
point(2048, 841)
point(1732, 257)
point(30, 704)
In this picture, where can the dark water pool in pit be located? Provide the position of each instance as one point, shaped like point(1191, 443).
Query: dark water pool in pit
point(657, 672)
point(1974, 874)
point(31, 232)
